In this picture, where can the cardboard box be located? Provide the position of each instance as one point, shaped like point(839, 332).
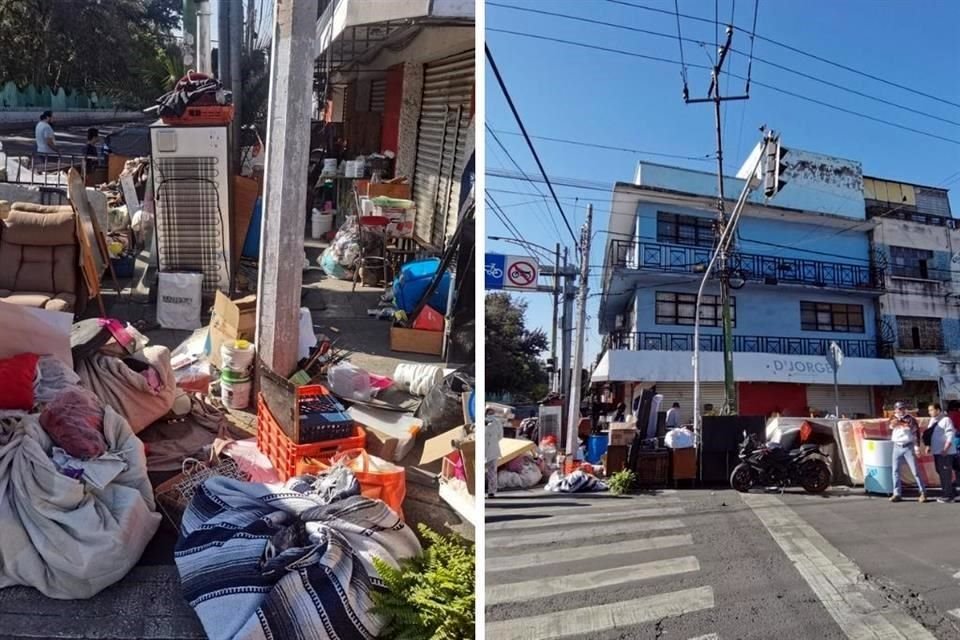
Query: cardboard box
point(442, 445)
point(683, 464)
point(416, 341)
point(231, 320)
point(622, 433)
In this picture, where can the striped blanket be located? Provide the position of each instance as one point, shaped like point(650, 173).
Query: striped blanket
point(576, 482)
point(261, 562)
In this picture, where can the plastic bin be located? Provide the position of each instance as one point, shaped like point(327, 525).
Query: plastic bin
point(287, 457)
point(878, 480)
point(596, 447)
point(412, 282)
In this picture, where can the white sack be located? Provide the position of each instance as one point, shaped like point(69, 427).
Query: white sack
point(59, 536)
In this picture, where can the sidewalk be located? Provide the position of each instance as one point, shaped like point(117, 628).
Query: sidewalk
point(147, 603)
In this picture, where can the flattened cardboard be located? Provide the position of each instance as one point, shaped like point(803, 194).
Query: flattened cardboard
point(511, 448)
point(231, 320)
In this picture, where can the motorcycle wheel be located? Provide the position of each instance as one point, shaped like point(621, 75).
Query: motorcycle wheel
point(815, 476)
point(742, 478)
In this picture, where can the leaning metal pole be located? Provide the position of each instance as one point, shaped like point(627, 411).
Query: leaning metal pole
point(720, 249)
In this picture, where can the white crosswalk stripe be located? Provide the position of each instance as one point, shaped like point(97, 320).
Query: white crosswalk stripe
point(567, 533)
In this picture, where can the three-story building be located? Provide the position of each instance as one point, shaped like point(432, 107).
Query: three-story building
point(806, 275)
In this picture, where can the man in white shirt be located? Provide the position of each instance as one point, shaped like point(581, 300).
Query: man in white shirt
point(944, 449)
point(45, 138)
point(673, 416)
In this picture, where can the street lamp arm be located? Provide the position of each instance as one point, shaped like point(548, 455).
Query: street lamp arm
point(522, 243)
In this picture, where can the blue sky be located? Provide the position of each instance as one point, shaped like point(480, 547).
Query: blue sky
point(610, 99)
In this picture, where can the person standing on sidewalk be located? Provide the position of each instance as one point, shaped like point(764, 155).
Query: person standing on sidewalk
point(493, 433)
point(904, 430)
point(944, 450)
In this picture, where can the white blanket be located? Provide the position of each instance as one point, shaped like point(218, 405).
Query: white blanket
point(58, 535)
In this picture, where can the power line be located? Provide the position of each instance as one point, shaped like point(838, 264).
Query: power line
point(533, 151)
point(775, 65)
point(795, 50)
point(704, 158)
point(511, 158)
point(766, 86)
point(511, 228)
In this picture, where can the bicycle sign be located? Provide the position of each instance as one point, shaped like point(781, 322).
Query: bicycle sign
point(510, 272)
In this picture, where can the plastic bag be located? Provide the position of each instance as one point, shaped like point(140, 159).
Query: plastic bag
point(74, 421)
point(442, 407)
point(179, 300)
point(350, 382)
point(679, 439)
point(379, 479)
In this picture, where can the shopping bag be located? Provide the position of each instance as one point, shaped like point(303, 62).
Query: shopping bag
point(179, 300)
point(379, 479)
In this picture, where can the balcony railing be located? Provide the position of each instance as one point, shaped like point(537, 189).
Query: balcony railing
point(652, 256)
point(653, 341)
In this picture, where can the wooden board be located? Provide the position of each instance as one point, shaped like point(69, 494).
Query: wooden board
point(115, 166)
point(245, 193)
point(88, 220)
point(373, 190)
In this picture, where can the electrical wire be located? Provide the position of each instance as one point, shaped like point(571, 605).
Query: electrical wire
point(683, 67)
point(495, 207)
point(750, 56)
point(709, 157)
point(739, 77)
point(795, 50)
point(533, 150)
point(532, 183)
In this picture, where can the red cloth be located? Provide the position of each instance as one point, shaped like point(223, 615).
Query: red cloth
point(18, 375)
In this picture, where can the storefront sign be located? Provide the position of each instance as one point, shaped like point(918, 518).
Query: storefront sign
point(799, 366)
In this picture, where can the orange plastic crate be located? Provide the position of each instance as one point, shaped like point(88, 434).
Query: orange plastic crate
point(286, 456)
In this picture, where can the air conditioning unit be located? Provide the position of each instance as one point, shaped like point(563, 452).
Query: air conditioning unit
point(191, 186)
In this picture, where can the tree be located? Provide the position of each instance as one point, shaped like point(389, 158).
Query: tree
point(512, 350)
point(113, 47)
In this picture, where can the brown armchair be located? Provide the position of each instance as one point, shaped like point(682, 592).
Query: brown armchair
point(40, 260)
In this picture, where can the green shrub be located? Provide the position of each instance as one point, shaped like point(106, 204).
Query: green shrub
point(621, 482)
point(431, 596)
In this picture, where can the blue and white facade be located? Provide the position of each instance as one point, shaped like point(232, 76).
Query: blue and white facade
point(811, 277)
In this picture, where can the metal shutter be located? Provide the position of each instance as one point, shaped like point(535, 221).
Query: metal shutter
point(378, 94)
point(441, 145)
point(682, 392)
point(853, 399)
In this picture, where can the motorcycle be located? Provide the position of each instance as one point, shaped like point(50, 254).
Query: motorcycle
point(768, 465)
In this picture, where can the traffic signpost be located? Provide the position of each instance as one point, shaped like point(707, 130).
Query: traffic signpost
point(835, 359)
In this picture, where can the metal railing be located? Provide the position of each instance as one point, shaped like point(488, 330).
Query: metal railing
point(42, 170)
point(670, 258)
point(659, 341)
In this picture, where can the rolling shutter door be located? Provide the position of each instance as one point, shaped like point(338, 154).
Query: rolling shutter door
point(441, 145)
point(682, 392)
point(378, 95)
point(853, 399)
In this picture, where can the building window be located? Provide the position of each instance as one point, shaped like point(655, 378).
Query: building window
point(826, 316)
point(910, 263)
point(685, 230)
point(680, 308)
point(919, 334)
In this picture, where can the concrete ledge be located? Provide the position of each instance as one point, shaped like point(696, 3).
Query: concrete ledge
point(14, 120)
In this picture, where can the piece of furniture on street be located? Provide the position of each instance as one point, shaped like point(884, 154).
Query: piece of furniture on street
point(40, 259)
point(683, 465)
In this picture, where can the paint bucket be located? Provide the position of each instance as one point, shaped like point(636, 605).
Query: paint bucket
point(320, 223)
point(237, 357)
point(235, 390)
point(877, 453)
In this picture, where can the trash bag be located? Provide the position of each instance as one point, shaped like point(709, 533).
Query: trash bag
point(442, 407)
point(74, 421)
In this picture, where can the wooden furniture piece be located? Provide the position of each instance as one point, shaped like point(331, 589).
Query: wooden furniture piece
point(683, 465)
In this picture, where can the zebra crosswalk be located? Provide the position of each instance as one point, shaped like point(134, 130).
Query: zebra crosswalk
point(589, 566)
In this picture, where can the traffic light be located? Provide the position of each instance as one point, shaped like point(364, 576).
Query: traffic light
point(774, 168)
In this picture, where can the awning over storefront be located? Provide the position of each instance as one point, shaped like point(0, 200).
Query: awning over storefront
point(918, 367)
point(676, 366)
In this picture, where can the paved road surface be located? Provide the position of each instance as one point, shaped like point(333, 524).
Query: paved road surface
point(696, 565)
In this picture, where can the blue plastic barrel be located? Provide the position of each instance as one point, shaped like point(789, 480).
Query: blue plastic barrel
point(878, 480)
point(596, 447)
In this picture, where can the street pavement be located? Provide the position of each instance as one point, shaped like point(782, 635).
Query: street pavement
point(718, 565)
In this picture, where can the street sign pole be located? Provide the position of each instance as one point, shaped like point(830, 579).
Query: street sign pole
point(835, 358)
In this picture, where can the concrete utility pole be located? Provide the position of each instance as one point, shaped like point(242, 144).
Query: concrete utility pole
point(573, 411)
point(566, 334)
point(235, 33)
point(189, 34)
point(284, 217)
point(713, 93)
point(554, 378)
point(204, 53)
point(223, 42)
